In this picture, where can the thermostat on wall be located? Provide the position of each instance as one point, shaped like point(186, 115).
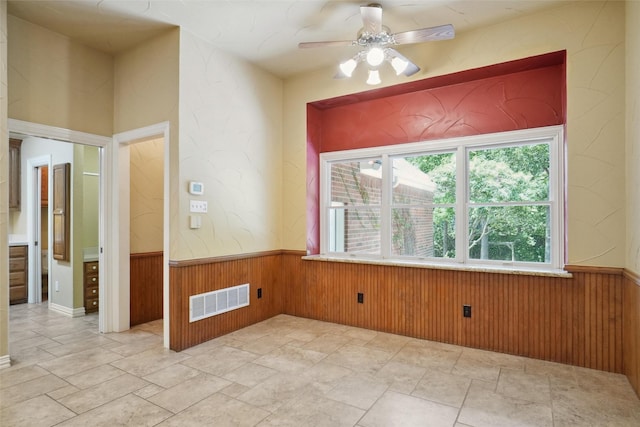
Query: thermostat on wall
point(196, 188)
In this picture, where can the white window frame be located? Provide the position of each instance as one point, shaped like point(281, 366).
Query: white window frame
point(553, 135)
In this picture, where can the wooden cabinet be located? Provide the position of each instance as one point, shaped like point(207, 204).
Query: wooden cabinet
point(18, 262)
point(44, 186)
point(14, 173)
point(91, 286)
point(61, 213)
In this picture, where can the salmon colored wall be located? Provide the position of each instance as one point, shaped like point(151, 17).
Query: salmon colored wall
point(521, 94)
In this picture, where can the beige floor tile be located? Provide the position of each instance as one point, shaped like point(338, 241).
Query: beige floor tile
point(401, 377)
point(327, 343)
point(428, 355)
point(30, 389)
point(77, 362)
point(483, 408)
point(277, 390)
point(289, 371)
point(217, 410)
point(290, 359)
point(388, 342)
point(476, 366)
point(172, 375)
point(440, 387)
point(314, 410)
point(359, 390)
point(150, 361)
point(250, 374)
point(94, 376)
point(148, 391)
point(525, 386)
point(129, 410)
point(12, 375)
point(220, 360)
point(102, 393)
point(325, 376)
point(573, 405)
point(185, 394)
point(41, 411)
point(396, 409)
point(234, 390)
point(265, 344)
point(359, 358)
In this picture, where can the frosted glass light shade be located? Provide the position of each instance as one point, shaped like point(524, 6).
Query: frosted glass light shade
point(347, 67)
point(374, 77)
point(400, 65)
point(375, 56)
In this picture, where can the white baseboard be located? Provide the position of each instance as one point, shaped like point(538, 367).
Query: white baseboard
point(5, 361)
point(70, 312)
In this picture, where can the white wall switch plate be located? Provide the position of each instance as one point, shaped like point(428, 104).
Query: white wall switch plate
point(197, 206)
point(195, 221)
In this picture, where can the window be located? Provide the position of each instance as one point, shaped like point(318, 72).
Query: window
point(485, 200)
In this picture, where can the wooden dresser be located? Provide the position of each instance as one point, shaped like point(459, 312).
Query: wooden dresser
point(91, 286)
point(18, 263)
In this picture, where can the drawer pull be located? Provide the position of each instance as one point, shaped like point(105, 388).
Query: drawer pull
point(94, 267)
point(94, 291)
point(95, 303)
point(93, 279)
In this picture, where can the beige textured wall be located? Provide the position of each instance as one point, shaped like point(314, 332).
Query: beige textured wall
point(4, 191)
point(633, 136)
point(146, 93)
point(146, 196)
point(231, 140)
point(593, 35)
point(58, 82)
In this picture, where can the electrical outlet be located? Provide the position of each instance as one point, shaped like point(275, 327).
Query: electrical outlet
point(466, 311)
point(259, 292)
point(360, 298)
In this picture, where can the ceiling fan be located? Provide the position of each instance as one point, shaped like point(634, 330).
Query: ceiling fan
point(376, 41)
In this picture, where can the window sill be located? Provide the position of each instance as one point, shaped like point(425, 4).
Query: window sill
point(456, 267)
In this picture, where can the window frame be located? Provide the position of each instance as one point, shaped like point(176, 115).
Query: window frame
point(553, 135)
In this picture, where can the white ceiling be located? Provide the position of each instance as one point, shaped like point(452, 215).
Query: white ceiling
point(266, 32)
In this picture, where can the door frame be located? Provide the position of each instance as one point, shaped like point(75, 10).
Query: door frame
point(121, 210)
point(34, 221)
point(109, 311)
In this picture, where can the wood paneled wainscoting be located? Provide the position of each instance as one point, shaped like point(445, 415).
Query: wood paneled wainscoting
point(193, 277)
point(577, 321)
point(145, 287)
point(631, 337)
point(591, 319)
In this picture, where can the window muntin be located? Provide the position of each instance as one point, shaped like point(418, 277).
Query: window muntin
point(488, 199)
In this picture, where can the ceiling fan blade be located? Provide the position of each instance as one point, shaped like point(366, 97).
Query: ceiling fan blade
point(371, 19)
point(411, 67)
point(305, 45)
point(442, 32)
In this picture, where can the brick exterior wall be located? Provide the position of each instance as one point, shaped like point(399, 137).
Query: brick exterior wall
point(412, 227)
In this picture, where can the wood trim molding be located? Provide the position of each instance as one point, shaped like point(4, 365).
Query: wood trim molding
point(630, 275)
point(224, 258)
point(146, 254)
point(593, 269)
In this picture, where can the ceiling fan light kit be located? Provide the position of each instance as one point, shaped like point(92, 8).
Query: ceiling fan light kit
point(375, 39)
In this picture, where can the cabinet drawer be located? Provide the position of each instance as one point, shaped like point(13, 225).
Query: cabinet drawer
point(17, 278)
point(17, 251)
point(90, 304)
point(91, 292)
point(17, 264)
point(91, 267)
point(91, 279)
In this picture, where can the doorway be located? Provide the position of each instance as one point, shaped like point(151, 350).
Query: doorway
point(113, 250)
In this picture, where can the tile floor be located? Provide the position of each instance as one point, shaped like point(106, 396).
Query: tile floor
point(288, 371)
